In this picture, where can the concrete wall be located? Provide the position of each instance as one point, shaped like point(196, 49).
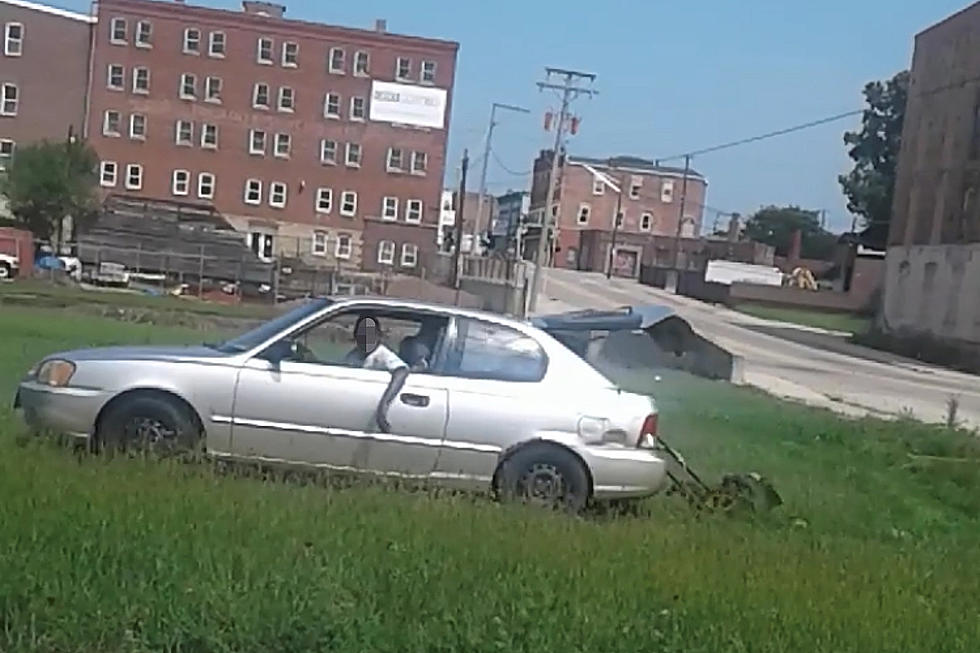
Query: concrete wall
point(933, 289)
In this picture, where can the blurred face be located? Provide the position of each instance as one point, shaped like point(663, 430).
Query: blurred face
point(366, 335)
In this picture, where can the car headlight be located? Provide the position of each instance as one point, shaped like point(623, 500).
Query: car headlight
point(56, 373)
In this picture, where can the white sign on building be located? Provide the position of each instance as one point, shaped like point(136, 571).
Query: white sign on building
point(419, 106)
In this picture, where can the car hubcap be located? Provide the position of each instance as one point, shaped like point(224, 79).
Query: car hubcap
point(544, 485)
point(150, 433)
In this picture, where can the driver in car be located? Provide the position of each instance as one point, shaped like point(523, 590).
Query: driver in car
point(371, 354)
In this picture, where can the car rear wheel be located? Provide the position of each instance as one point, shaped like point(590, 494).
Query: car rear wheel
point(547, 476)
point(148, 424)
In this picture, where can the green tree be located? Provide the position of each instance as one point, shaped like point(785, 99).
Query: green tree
point(874, 150)
point(48, 181)
point(775, 225)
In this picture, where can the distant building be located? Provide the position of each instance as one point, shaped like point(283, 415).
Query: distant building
point(447, 219)
point(932, 277)
point(512, 211)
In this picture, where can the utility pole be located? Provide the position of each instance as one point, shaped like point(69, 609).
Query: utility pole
point(458, 228)
point(680, 218)
point(615, 229)
point(486, 160)
point(569, 91)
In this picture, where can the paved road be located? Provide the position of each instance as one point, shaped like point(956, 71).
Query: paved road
point(854, 385)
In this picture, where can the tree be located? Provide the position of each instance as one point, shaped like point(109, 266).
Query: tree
point(48, 181)
point(775, 225)
point(874, 150)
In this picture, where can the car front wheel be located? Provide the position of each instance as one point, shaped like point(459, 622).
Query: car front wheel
point(148, 424)
point(545, 475)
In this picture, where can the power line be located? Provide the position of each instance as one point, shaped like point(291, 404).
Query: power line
point(508, 170)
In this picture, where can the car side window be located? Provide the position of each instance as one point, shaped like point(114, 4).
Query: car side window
point(483, 350)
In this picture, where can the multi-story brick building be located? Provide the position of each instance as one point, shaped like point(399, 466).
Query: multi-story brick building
point(43, 74)
point(650, 204)
point(315, 140)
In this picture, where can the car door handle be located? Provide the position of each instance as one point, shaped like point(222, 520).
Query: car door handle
point(418, 401)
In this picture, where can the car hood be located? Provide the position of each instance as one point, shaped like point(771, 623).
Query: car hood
point(147, 352)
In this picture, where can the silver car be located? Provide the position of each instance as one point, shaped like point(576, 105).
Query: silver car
point(494, 404)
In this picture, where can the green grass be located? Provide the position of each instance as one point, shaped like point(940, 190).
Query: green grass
point(866, 555)
point(814, 318)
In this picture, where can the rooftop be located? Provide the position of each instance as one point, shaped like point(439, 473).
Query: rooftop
point(53, 11)
point(634, 163)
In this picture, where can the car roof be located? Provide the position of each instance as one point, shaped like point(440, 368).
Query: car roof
point(418, 305)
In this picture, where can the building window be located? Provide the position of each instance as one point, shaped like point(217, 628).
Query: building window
point(646, 222)
point(403, 69)
point(290, 54)
point(260, 96)
point(667, 191)
point(256, 142)
point(353, 155)
point(261, 243)
point(7, 149)
point(427, 75)
point(324, 200)
point(420, 161)
point(328, 151)
point(9, 97)
point(137, 126)
point(598, 187)
point(264, 52)
point(319, 243)
point(344, 247)
point(117, 31)
point(13, 40)
point(209, 136)
point(192, 41)
point(216, 45)
point(336, 62)
point(636, 183)
point(144, 32)
point(141, 80)
point(584, 211)
point(134, 176)
point(212, 90)
point(282, 146)
point(410, 255)
point(287, 99)
point(357, 109)
point(188, 86)
point(110, 123)
point(277, 195)
point(620, 219)
point(184, 133)
point(116, 77)
point(395, 159)
point(413, 211)
point(253, 191)
point(348, 203)
point(362, 62)
point(331, 106)
point(205, 186)
point(389, 208)
point(181, 182)
point(107, 174)
point(386, 252)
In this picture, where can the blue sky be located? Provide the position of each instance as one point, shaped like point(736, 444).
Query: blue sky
point(673, 77)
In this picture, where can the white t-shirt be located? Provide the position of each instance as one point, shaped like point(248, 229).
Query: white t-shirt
point(383, 358)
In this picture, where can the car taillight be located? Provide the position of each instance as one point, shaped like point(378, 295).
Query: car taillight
point(648, 433)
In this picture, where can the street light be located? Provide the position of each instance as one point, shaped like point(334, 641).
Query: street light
point(486, 160)
point(618, 189)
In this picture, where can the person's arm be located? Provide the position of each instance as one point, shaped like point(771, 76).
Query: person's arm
point(398, 377)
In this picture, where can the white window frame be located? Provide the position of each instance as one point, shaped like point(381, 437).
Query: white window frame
point(391, 167)
point(414, 207)
point(108, 174)
point(318, 245)
point(184, 142)
point(667, 191)
point(196, 50)
point(347, 155)
point(583, 209)
point(350, 195)
point(282, 137)
point(214, 50)
point(353, 103)
point(399, 77)
point(336, 70)
point(184, 78)
point(646, 215)
point(207, 143)
point(201, 178)
point(106, 131)
point(427, 77)
point(389, 208)
point(138, 33)
point(259, 59)
point(423, 169)
point(132, 126)
point(326, 106)
point(9, 41)
point(5, 100)
point(121, 86)
point(344, 252)
point(295, 54)
point(250, 185)
point(10, 145)
point(620, 218)
point(251, 141)
point(384, 247)
point(278, 188)
point(323, 201)
point(636, 184)
point(136, 76)
point(180, 183)
point(332, 161)
point(365, 56)
point(414, 250)
point(138, 169)
point(598, 186)
point(212, 89)
point(255, 96)
point(113, 29)
point(280, 105)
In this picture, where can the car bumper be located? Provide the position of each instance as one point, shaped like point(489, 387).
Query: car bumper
point(65, 410)
point(625, 472)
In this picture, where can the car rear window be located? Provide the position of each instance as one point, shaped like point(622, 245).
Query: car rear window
point(483, 350)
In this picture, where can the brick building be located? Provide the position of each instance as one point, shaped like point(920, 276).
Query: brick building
point(650, 205)
point(43, 74)
point(932, 267)
point(317, 141)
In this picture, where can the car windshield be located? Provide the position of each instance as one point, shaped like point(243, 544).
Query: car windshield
point(263, 332)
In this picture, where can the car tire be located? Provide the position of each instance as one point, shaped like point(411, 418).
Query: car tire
point(147, 423)
point(545, 475)
point(6, 272)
